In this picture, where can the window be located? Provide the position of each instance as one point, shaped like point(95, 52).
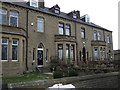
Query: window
point(83, 33)
point(34, 54)
point(57, 10)
point(74, 15)
point(72, 53)
point(14, 19)
point(104, 53)
point(3, 16)
point(101, 52)
point(99, 35)
point(60, 51)
point(47, 55)
point(15, 49)
point(61, 28)
point(67, 29)
point(96, 53)
point(108, 38)
point(4, 55)
point(34, 3)
point(95, 35)
point(67, 51)
point(40, 25)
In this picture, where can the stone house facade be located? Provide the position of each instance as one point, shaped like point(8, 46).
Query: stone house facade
point(32, 34)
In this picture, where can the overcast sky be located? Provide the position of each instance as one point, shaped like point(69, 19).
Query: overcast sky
point(101, 12)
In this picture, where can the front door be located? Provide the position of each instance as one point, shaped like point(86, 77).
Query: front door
point(40, 57)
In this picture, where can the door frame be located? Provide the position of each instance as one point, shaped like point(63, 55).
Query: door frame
point(38, 49)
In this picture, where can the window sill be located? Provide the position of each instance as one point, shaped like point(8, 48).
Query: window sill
point(14, 60)
point(4, 60)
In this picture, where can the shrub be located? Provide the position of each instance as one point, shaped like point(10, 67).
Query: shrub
point(72, 72)
point(53, 68)
point(57, 74)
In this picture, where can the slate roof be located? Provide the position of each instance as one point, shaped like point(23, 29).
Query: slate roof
point(47, 11)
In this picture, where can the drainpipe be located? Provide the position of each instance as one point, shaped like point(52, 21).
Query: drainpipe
point(27, 39)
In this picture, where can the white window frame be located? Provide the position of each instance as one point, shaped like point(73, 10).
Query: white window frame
point(57, 10)
point(99, 36)
point(61, 25)
point(74, 15)
point(83, 32)
point(96, 58)
point(108, 38)
point(34, 1)
point(13, 16)
point(7, 50)
point(95, 35)
point(67, 27)
point(17, 48)
point(40, 21)
point(4, 14)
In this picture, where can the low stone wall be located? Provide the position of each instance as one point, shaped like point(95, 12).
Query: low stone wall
point(67, 80)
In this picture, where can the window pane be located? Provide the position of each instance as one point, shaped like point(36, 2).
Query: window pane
point(95, 35)
point(40, 24)
point(14, 19)
point(61, 28)
point(67, 51)
point(96, 53)
point(83, 33)
point(72, 52)
point(67, 29)
point(3, 16)
point(60, 51)
point(14, 52)
point(4, 52)
point(99, 36)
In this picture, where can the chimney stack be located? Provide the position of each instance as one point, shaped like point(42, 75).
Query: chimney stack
point(41, 3)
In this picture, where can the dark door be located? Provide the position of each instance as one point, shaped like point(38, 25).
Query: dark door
point(84, 54)
point(40, 57)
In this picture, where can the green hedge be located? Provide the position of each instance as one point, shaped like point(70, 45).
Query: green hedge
point(57, 74)
point(72, 72)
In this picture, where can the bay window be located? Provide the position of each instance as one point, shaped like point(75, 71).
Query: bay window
point(15, 49)
point(60, 51)
point(4, 49)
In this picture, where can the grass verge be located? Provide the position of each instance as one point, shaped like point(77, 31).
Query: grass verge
point(27, 77)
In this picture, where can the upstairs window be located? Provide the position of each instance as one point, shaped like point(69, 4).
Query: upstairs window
point(15, 49)
point(95, 35)
point(61, 28)
point(67, 29)
point(108, 38)
point(3, 16)
point(74, 15)
point(4, 49)
point(99, 35)
point(57, 10)
point(34, 3)
point(83, 33)
point(14, 19)
point(40, 24)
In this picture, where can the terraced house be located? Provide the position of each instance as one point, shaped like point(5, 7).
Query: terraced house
point(33, 34)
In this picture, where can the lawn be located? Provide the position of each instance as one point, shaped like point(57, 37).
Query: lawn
point(27, 77)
